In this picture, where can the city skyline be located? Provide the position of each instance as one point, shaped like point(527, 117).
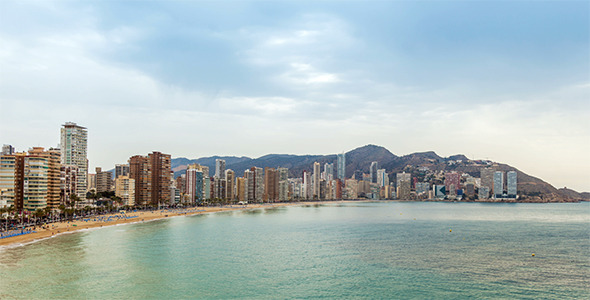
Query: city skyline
point(502, 81)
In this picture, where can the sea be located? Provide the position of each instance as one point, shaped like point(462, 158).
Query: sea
point(342, 250)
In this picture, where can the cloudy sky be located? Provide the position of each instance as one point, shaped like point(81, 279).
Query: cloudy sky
point(506, 81)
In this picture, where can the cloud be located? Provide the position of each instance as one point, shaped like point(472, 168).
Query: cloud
point(290, 82)
point(300, 53)
point(259, 105)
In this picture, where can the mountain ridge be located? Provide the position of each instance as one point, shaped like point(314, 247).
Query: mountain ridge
point(360, 159)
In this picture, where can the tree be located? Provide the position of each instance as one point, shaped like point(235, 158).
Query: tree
point(74, 199)
point(39, 213)
point(117, 199)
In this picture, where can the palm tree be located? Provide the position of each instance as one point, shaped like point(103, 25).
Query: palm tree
point(62, 209)
point(39, 213)
point(117, 199)
point(74, 199)
point(48, 211)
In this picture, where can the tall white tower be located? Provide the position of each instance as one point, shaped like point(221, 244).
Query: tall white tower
point(74, 151)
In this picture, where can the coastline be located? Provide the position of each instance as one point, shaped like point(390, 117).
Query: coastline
point(96, 222)
point(60, 228)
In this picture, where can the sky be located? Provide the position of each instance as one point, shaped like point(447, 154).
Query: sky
point(500, 80)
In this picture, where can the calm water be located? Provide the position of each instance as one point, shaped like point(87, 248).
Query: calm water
point(350, 250)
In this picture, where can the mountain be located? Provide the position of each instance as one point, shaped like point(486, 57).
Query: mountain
point(360, 158)
point(574, 195)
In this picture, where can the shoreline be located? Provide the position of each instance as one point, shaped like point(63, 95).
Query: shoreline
point(115, 219)
point(97, 222)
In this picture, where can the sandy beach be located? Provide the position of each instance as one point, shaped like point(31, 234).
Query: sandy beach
point(58, 228)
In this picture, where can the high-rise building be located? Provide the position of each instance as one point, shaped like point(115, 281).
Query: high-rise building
point(271, 185)
point(53, 157)
point(283, 177)
point(338, 185)
point(498, 184)
point(484, 192)
point(283, 174)
point(307, 186)
point(241, 189)
point(328, 174)
point(121, 170)
point(91, 182)
point(316, 180)
point(382, 178)
point(487, 180)
point(7, 178)
point(254, 184)
point(68, 181)
point(452, 181)
point(205, 171)
point(161, 177)
point(404, 183)
point(373, 171)
point(74, 148)
point(194, 184)
point(181, 183)
point(219, 168)
point(104, 180)
point(351, 189)
point(230, 184)
point(139, 171)
point(206, 187)
point(23, 181)
point(259, 184)
point(7, 150)
point(511, 184)
point(125, 189)
point(249, 185)
point(174, 196)
point(219, 187)
point(152, 175)
point(341, 164)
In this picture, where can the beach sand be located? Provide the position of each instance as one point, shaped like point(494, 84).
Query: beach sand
point(58, 228)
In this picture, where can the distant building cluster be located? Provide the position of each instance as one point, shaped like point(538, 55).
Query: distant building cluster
point(58, 177)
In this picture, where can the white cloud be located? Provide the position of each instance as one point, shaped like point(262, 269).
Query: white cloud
point(300, 53)
point(262, 105)
point(318, 102)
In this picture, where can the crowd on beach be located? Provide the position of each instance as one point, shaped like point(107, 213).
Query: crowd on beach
point(13, 233)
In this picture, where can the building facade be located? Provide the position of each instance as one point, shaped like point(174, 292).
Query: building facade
point(53, 157)
point(498, 184)
point(511, 184)
point(152, 175)
point(125, 189)
point(373, 172)
point(403, 185)
point(121, 170)
point(341, 166)
point(74, 151)
point(271, 185)
point(219, 168)
point(104, 180)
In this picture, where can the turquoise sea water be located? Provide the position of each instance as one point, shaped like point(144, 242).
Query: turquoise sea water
point(376, 250)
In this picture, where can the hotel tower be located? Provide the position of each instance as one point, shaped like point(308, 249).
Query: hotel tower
point(74, 151)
